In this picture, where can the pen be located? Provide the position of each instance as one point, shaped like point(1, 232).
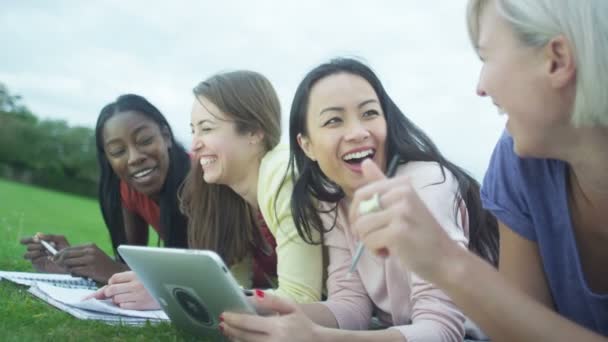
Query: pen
point(390, 172)
point(48, 247)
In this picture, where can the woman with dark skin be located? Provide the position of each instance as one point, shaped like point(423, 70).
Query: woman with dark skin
point(142, 167)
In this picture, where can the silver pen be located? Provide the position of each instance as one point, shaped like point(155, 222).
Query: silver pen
point(48, 247)
point(392, 168)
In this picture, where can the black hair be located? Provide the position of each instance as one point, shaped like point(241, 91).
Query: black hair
point(404, 138)
point(172, 222)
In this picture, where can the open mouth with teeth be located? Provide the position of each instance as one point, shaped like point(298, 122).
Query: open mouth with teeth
point(143, 174)
point(356, 158)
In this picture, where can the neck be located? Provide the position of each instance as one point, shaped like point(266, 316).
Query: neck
point(247, 185)
point(588, 160)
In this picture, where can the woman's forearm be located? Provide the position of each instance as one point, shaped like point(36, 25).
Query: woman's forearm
point(320, 314)
point(336, 335)
point(503, 312)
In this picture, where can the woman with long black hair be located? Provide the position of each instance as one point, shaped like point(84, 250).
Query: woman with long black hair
point(141, 168)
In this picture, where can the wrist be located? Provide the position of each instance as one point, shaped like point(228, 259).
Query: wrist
point(453, 268)
point(319, 333)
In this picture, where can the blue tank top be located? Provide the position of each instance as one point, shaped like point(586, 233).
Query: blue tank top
point(531, 197)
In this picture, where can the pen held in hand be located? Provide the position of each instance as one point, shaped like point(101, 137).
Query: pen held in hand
point(363, 209)
point(48, 247)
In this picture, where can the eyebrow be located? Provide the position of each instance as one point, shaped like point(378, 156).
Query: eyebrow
point(341, 109)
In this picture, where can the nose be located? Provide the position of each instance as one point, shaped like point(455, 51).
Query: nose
point(135, 156)
point(480, 90)
point(197, 144)
point(357, 132)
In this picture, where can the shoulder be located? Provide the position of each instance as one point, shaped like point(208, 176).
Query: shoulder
point(515, 189)
point(273, 169)
point(423, 174)
point(507, 167)
point(277, 158)
point(274, 183)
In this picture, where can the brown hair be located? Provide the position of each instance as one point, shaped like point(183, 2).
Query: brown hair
point(219, 218)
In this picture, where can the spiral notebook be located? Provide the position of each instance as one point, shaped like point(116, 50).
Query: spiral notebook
point(60, 280)
point(66, 292)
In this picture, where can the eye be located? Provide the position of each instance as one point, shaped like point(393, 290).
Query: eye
point(146, 141)
point(371, 113)
point(332, 121)
point(115, 153)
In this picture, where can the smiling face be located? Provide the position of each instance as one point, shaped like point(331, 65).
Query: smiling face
point(137, 150)
point(524, 82)
point(345, 125)
point(224, 155)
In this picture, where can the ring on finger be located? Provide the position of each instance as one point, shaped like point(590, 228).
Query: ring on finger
point(370, 205)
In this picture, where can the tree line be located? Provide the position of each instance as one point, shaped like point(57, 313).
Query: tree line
point(47, 153)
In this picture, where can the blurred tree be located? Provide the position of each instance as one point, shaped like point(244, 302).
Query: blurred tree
point(49, 153)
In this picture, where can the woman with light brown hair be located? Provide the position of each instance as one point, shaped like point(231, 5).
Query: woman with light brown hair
point(236, 195)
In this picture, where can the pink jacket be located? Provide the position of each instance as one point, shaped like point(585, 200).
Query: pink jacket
point(398, 297)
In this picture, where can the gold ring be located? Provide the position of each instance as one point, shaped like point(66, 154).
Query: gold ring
point(370, 205)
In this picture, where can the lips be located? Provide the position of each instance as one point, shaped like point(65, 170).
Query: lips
point(357, 156)
point(353, 158)
point(144, 175)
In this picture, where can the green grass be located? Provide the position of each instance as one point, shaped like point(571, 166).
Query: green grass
point(25, 210)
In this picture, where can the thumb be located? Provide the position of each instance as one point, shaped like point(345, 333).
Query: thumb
point(371, 171)
point(266, 302)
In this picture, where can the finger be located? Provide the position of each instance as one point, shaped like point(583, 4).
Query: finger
point(134, 306)
point(51, 237)
point(371, 222)
point(123, 298)
point(81, 271)
point(27, 240)
point(380, 242)
point(35, 255)
point(274, 303)
point(371, 174)
point(99, 294)
point(247, 322)
point(35, 247)
point(371, 171)
point(117, 289)
point(366, 192)
point(236, 334)
point(69, 253)
point(391, 201)
point(78, 262)
point(122, 277)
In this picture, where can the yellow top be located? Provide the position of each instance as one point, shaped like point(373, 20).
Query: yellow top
point(299, 264)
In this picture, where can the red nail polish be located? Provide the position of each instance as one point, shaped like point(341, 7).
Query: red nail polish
point(259, 293)
point(382, 252)
point(221, 328)
point(221, 318)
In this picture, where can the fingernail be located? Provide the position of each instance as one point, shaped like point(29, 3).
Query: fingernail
point(221, 327)
point(221, 317)
point(259, 293)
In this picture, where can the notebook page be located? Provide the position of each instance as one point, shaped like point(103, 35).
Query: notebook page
point(64, 280)
point(73, 297)
point(85, 314)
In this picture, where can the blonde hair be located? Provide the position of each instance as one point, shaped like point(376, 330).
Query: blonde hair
point(583, 23)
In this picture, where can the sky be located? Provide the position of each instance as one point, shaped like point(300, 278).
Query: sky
point(67, 59)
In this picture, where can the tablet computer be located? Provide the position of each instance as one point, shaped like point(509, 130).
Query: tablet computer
point(193, 287)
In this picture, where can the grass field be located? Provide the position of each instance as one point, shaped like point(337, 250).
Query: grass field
point(25, 210)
